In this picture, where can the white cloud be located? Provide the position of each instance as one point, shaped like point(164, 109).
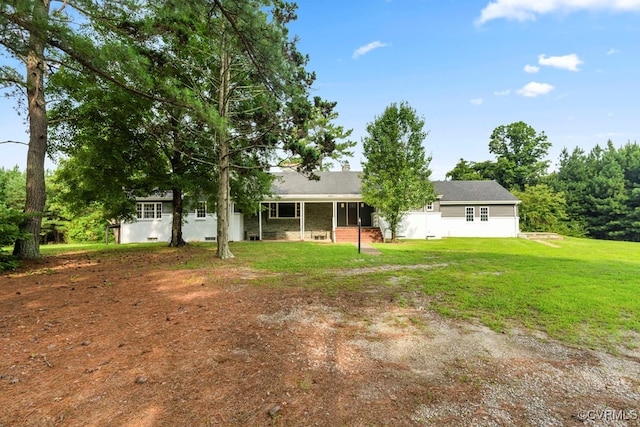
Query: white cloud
point(363, 50)
point(502, 92)
point(567, 62)
point(527, 10)
point(531, 69)
point(612, 51)
point(477, 101)
point(610, 134)
point(533, 89)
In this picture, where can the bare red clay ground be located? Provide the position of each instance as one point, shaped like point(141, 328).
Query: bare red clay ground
point(126, 339)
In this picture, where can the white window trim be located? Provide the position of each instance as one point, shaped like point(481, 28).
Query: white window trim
point(157, 211)
point(198, 205)
point(488, 215)
point(466, 215)
point(429, 207)
point(277, 209)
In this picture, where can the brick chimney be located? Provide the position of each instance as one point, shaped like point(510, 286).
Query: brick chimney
point(345, 166)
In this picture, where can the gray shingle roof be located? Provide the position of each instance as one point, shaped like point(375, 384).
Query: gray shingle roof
point(348, 182)
point(469, 191)
point(157, 197)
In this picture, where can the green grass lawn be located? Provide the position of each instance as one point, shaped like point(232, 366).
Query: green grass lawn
point(584, 292)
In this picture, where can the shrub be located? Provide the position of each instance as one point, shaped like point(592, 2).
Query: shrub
point(9, 231)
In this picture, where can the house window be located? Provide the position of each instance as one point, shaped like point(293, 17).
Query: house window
point(470, 213)
point(429, 207)
point(201, 210)
point(149, 210)
point(284, 210)
point(484, 213)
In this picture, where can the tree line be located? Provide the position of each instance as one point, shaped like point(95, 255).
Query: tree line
point(594, 194)
point(195, 98)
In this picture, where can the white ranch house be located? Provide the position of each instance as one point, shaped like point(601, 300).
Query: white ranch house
point(329, 210)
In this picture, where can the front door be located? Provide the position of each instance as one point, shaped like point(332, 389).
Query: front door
point(352, 214)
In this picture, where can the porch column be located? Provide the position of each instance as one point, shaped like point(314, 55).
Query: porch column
point(260, 223)
point(333, 221)
point(302, 221)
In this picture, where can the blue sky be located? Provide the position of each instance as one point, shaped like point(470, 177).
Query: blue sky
point(569, 68)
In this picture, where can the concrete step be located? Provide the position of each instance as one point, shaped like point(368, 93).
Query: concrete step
point(540, 236)
point(350, 234)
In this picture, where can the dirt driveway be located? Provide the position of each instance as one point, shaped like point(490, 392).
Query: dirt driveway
point(130, 340)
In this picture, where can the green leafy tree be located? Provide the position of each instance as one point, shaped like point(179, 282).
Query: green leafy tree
point(12, 196)
point(472, 171)
point(141, 145)
point(396, 170)
point(10, 220)
point(55, 220)
point(12, 188)
point(9, 225)
point(66, 220)
point(519, 152)
point(88, 227)
point(542, 209)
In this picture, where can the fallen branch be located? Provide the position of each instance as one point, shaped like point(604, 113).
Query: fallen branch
point(44, 357)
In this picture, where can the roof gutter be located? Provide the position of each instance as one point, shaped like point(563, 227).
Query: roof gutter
point(480, 202)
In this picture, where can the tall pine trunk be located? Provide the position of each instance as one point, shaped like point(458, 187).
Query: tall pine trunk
point(176, 219)
point(178, 169)
point(224, 198)
point(29, 247)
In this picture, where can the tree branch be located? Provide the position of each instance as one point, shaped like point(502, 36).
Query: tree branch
point(86, 63)
point(247, 45)
point(61, 120)
point(14, 142)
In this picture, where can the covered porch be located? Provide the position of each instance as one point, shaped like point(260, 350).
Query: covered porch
point(311, 220)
